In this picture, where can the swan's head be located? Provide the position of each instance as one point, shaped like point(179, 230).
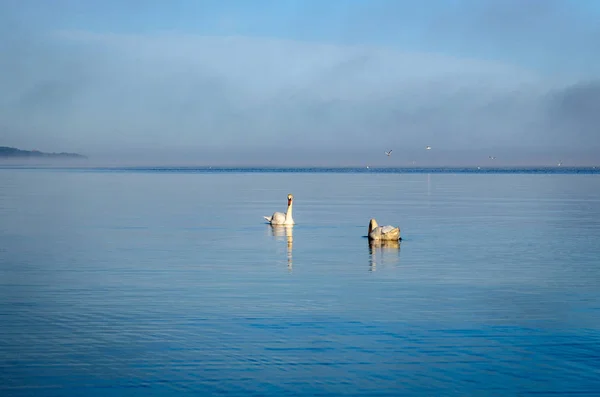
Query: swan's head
point(372, 225)
point(290, 199)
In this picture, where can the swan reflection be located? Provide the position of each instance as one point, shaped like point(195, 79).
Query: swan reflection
point(281, 232)
point(382, 252)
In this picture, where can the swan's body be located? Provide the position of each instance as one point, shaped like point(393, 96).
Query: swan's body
point(279, 218)
point(377, 232)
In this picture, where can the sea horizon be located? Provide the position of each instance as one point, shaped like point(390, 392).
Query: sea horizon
point(534, 169)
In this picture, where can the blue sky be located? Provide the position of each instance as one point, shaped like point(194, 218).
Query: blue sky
point(303, 82)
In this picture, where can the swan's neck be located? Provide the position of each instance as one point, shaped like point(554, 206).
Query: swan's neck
point(288, 213)
point(372, 225)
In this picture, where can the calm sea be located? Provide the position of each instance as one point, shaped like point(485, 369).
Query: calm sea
point(168, 282)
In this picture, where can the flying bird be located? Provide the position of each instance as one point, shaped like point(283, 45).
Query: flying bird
point(428, 147)
point(492, 157)
point(388, 153)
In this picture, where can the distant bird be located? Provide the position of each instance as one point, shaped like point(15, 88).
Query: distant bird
point(377, 232)
point(428, 147)
point(559, 163)
point(388, 153)
point(492, 157)
point(279, 218)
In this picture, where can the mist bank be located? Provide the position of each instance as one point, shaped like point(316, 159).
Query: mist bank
point(285, 102)
point(290, 157)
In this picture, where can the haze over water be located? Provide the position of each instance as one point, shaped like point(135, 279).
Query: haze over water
point(303, 83)
point(168, 282)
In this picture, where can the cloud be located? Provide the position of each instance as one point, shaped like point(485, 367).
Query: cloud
point(575, 112)
point(240, 98)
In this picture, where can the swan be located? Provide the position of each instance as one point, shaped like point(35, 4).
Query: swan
point(377, 232)
point(279, 218)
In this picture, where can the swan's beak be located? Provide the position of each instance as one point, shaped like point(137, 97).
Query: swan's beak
point(289, 200)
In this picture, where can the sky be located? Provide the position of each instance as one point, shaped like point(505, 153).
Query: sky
point(284, 82)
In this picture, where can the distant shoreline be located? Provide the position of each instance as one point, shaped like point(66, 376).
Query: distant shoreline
point(7, 152)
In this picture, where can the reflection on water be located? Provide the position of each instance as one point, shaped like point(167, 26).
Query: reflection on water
point(287, 231)
point(383, 252)
point(429, 184)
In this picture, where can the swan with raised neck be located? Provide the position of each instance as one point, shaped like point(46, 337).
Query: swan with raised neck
point(279, 218)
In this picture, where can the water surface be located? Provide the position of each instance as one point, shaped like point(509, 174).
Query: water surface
point(145, 282)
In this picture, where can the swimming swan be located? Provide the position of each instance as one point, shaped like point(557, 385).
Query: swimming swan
point(279, 218)
point(377, 232)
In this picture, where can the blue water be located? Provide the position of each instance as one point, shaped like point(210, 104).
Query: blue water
point(168, 282)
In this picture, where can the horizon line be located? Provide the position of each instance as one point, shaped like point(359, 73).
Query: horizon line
point(322, 169)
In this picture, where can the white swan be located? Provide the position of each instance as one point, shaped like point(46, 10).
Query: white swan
point(279, 218)
point(377, 232)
